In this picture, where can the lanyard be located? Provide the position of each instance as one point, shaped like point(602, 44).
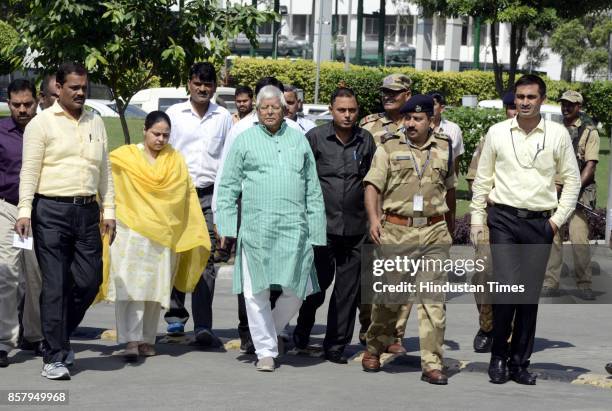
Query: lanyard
point(416, 165)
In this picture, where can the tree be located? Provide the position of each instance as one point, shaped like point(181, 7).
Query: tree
point(8, 38)
point(540, 14)
point(535, 49)
point(126, 43)
point(589, 35)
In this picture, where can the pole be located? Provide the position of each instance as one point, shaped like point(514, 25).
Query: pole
point(275, 30)
point(252, 50)
point(318, 75)
point(476, 43)
point(359, 31)
point(381, 34)
point(335, 32)
point(347, 40)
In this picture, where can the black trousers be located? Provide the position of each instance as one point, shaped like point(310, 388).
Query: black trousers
point(68, 247)
point(202, 296)
point(342, 258)
point(520, 262)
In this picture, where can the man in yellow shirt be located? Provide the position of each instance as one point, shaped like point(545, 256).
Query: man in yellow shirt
point(517, 169)
point(65, 165)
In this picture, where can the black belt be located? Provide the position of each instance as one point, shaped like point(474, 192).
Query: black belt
point(77, 200)
point(205, 190)
point(523, 212)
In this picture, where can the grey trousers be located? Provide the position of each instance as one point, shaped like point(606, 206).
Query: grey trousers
point(19, 274)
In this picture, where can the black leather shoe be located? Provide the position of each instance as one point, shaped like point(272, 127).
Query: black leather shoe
point(586, 294)
point(4, 362)
point(483, 341)
point(246, 345)
point(336, 357)
point(300, 342)
point(522, 376)
point(498, 371)
point(609, 367)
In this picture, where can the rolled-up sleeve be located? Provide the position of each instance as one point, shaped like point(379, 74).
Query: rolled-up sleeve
point(377, 176)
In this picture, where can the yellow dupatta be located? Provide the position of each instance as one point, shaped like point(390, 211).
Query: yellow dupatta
point(159, 202)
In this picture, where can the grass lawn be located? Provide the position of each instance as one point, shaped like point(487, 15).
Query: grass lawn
point(115, 132)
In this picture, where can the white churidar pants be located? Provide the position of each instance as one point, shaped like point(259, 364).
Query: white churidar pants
point(264, 323)
point(137, 321)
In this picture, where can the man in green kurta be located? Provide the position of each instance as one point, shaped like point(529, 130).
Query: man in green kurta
point(282, 218)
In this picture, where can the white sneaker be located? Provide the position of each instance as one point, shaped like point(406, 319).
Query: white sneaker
point(266, 364)
point(55, 371)
point(69, 361)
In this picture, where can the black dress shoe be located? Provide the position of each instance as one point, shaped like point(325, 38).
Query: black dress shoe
point(609, 367)
point(586, 294)
point(498, 371)
point(300, 342)
point(522, 376)
point(4, 362)
point(483, 341)
point(246, 345)
point(335, 356)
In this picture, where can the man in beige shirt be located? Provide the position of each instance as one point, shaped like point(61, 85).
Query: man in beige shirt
point(65, 165)
point(517, 169)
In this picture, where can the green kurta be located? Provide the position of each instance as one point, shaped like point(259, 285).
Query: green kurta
point(282, 213)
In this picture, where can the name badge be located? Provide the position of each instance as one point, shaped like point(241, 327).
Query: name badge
point(403, 158)
point(417, 202)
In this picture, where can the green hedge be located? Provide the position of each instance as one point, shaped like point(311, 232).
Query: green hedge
point(366, 81)
point(8, 36)
point(474, 124)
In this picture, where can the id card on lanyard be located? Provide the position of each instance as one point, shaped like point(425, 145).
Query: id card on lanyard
point(417, 199)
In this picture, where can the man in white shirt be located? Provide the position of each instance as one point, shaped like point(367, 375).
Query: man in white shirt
point(199, 129)
point(444, 126)
point(516, 173)
point(294, 106)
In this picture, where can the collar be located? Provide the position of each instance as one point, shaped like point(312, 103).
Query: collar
point(330, 133)
point(58, 110)
point(515, 125)
point(431, 140)
point(577, 123)
point(212, 109)
point(281, 130)
point(13, 126)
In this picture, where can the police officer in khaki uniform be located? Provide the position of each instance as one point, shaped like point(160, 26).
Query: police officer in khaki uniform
point(413, 174)
point(585, 140)
point(484, 338)
point(395, 92)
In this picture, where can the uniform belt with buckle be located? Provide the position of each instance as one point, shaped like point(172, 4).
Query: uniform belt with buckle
point(413, 221)
point(524, 213)
point(77, 200)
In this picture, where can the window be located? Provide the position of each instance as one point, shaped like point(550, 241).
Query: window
point(299, 26)
point(465, 24)
point(370, 28)
point(265, 28)
point(440, 31)
point(406, 29)
point(390, 27)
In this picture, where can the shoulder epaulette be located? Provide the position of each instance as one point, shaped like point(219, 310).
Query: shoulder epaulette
point(371, 117)
point(387, 137)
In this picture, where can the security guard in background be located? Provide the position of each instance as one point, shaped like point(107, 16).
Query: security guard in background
point(585, 140)
point(395, 92)
point(413, 174)
point(484, 338)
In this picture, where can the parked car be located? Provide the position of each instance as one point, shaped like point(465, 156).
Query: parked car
point(161, 98)
point(550, 112)
point(286, 47)
point(315, 109)
point(108, 108)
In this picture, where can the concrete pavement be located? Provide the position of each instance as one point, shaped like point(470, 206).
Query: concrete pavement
point(572, 341)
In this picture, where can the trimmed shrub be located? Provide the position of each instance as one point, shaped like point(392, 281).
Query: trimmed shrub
point(598, 102)
point(474, 124)
point(8, 37)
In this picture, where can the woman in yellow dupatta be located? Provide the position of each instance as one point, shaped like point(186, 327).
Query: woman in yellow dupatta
point(161, 235)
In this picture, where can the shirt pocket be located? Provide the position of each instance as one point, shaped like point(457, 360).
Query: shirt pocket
point(401, 170)
point(294, 160)
point(93, 150)
point(215, 145)
point(439, 171)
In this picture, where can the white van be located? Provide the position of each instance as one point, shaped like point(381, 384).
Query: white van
point(161, 98)
point(549, 111)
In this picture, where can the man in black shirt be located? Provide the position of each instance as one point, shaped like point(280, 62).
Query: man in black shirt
point(343, 153)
